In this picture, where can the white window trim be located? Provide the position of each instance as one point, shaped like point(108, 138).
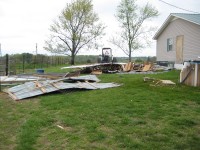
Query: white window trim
point(170, 44)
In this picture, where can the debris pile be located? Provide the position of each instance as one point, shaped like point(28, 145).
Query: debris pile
point(35, 88)
point(161, 68)
point(128, 67)
point(158, 82)
point(100, 68)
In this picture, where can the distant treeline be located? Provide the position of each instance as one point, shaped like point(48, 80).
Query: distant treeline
point(30, 61)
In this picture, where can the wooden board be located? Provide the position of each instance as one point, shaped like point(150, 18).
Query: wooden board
point(128, 67)
point(189, 75)
point(147, 67)
point(167, 82)
point(96, 72)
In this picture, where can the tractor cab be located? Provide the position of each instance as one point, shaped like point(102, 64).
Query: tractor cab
point(106, 55)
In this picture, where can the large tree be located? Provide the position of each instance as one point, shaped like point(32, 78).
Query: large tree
point(133, 35)
point(76, 28)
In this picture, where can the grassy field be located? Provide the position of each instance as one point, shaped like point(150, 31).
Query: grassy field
point(136, 115)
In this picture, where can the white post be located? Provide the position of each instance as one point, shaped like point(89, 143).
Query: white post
point(196, 75)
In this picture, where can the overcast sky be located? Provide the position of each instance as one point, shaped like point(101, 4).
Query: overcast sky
point(23, 23)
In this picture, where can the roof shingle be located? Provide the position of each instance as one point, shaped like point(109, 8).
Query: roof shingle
point(195, 18)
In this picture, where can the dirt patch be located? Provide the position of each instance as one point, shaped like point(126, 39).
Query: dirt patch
point(106, 129)
point(4, 96)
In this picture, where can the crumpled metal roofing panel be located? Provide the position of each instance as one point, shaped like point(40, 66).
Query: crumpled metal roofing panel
point(31, 89)
point(92, 78)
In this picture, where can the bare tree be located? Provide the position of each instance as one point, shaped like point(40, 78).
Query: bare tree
point(134, 35)
point(77, 27)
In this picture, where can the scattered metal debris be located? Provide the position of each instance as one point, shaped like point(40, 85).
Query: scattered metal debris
point(37, 77)
point(100, 68)
point(89, 78)
point(15, 79)
point(104, 67)
point(35, 88)
point(51, 76)
point(161, 68)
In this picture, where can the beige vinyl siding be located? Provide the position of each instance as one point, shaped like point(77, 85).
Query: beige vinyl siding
point(191, 46)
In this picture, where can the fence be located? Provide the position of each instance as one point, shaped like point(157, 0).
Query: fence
point(20, 63)
point(4, 65)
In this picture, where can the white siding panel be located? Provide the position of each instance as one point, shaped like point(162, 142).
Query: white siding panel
point(191, 46)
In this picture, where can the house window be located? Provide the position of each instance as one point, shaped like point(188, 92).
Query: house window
point(169, 44)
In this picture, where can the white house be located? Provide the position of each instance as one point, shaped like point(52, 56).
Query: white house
point(178, 39)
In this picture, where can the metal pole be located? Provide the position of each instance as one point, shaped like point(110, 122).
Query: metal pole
point(36, 55)
point(23, 61)
point(0, 83)
point(0, 61)
point(36, 48)
point(6, 64)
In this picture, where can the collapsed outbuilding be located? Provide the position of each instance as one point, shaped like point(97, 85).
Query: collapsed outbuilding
point(35, 88)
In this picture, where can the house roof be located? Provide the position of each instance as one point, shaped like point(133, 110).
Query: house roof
point(194, 18)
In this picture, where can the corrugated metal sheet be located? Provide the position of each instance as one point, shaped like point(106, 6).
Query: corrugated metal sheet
point(91, 78)
point(7, 79)
point(13, 79)
point(31, 89)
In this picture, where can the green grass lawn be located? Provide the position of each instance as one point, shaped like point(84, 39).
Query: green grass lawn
point(133, 116)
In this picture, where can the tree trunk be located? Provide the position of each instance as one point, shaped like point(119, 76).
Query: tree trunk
point(7, 64)
point(73, 49)
point(72, 58)
point(130, 57)
point(130, 52)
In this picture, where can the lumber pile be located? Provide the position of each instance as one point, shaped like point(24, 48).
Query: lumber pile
point(128, 67)
point(137, 67)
